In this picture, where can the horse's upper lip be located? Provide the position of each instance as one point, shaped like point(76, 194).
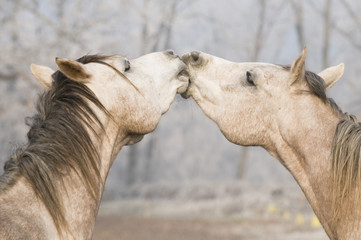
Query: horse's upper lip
point(186, 94)
point(183, 77)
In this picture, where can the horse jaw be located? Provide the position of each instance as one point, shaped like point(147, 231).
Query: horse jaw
point(138, 97)
point(163, 81)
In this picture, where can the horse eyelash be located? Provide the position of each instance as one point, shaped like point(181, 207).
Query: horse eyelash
point(127, 65)
point(249, 79)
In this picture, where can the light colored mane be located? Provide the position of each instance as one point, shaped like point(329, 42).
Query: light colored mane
point(59, 142)
point(346, 166)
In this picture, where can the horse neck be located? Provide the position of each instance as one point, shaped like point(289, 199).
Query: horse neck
point(80, 208)
point(304, 148)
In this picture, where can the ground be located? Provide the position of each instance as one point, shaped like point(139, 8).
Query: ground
point(251, 214)
point(140, 228)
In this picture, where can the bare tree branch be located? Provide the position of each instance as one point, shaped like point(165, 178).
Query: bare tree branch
point(351, 12)
point(347, 35)
point(259, 34)
point(169, 24)
point(9, 76)
point(61, 32)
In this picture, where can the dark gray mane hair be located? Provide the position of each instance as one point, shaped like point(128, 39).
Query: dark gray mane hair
point(59, 142)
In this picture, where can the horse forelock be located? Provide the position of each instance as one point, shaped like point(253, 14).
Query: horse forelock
point(317, 87)
point(59, 141)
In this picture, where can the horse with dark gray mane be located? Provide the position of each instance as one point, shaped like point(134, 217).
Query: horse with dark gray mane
point(91, 108)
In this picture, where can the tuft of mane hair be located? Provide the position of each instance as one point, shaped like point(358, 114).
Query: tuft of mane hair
point(346, 166)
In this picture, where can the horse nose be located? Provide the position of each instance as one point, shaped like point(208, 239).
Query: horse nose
point(170, 52)
point(193, 58)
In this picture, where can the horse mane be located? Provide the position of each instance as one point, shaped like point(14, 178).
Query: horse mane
point(59, 142)
point(346, 166)
point(345, 154)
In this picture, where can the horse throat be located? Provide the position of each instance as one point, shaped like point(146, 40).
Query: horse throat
point(307, 155)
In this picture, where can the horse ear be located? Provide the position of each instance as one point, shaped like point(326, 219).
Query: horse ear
point(42, 74)
point(73, 70)
point(332, 74)
point(298, 67)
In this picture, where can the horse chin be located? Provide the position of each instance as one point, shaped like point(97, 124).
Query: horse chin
point(186, 94)
point(184, 90)
point(134, 139)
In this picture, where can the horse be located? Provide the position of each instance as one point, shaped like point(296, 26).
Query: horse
point(285, 110)
point(91, 107)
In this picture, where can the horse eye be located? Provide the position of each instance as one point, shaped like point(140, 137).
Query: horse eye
point(250, 79)
point(126, 65)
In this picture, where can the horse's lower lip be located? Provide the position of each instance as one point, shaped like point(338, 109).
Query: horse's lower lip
point(184, 84)
point(183, 76)
point(185, 95)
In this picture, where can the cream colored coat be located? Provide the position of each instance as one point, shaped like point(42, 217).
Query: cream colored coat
point(135, 93)
point(271, 106)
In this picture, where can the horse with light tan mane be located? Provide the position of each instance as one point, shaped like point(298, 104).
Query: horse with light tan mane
point(91, 108)
point(286, 111)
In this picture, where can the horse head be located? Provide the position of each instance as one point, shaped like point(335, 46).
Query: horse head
point(135, 92)
point(251, 102)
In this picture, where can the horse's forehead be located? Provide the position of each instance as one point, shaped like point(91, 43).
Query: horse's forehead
point(261, 66)
point(269, 71)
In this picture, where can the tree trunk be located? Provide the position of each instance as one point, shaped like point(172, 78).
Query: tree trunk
point(132, 165)
point(164, 32)
point(260, 30)
point(255, 55)
point(243, 163)
point(326, 39)
point(298, 9)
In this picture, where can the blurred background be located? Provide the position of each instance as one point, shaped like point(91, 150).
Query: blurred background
point(184, 180)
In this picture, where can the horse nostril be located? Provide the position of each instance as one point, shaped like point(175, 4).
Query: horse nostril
point(169, 51)
point(195, 56)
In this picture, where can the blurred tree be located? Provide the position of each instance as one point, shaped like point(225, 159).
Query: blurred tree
point(37, 31)
point(297, 6)
point(153, 40)
point(258, 44)
point(11, 25)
